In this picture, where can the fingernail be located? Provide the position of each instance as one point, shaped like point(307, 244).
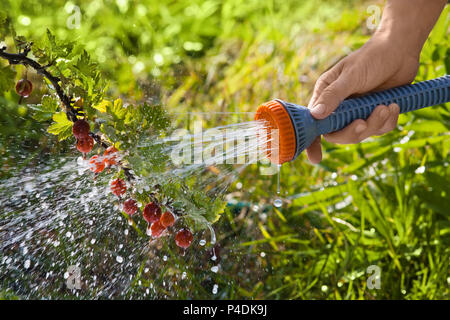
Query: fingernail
point(360, 128)
point(319, 110)
point(395, 107)
point(384, 113)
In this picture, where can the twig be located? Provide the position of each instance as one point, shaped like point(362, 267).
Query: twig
point(21, 58)
point(71, 112)
point(98, 139)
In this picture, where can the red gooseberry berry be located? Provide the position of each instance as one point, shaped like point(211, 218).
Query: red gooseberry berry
point(80, 129)
point(167, 219)
point(130, 206)
point(85, 145)
point(24, 87)
point(157, 229)
point(152, 212)
point(96, 164)
point(110, 156)
point(118, 187)
point(184, 238)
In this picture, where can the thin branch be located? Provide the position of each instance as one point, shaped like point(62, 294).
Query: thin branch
point(98, 139)
point(71, 112)
point(21, 58)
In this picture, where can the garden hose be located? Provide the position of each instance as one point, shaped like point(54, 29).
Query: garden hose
point(298, 129)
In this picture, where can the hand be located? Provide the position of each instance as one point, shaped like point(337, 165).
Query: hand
point(389, 59)
point(377, 66)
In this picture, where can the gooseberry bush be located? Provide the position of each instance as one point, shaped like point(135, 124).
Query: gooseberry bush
point(111, 135)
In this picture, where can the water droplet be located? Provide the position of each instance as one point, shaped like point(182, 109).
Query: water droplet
point(324, 288)
point(213, 234)
point(215, 269)
point(214, 257)
point(215, 289)
point(278, 179)
point(420, 170)
point(119, 259)
point(27, 264)
point(202, 242)
point(278, 203)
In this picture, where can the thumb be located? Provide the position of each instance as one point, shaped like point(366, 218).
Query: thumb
point(330, 97)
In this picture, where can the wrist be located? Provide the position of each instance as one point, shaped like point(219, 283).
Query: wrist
point(397, 40)
point(406, 24)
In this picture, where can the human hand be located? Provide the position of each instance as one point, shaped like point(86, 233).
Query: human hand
point(374, 67)
point(389, 59)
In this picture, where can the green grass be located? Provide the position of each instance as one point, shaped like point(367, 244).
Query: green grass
point(363, 205)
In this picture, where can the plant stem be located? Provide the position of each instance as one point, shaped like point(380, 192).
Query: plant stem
point(21, 58)
point(71, 112)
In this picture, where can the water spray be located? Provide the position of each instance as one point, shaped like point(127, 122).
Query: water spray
point(298, 129)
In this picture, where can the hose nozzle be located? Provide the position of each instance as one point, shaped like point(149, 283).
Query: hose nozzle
point(297, 129)
point(294, 125)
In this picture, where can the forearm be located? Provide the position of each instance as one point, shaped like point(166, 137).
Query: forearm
point(407, 23)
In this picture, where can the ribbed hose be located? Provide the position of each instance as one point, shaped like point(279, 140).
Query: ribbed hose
point(409, 98)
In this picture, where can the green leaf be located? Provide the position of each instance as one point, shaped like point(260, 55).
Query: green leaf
point(102, 106)
point(427, 126)
point(117, 109)
point(320, 195)
point(6, 27)
point(7, 75)
point(62, 127)
point(46, 110)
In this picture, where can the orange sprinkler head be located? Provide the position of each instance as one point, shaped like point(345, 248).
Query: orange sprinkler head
point(297, 129)
point(277, 118)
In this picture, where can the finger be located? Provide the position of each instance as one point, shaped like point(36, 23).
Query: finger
point(350, 134)
point(383, 119)
point(391, 123)
point(314, 151)
point(332, 95)
point(324, 81)
point(376, 121)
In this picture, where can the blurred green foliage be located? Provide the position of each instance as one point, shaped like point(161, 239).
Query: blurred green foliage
point(383, 202)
